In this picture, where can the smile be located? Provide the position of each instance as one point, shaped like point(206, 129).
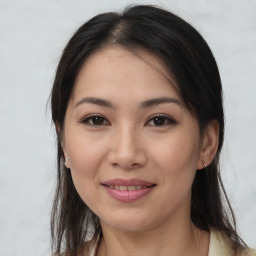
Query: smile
point(128, 190)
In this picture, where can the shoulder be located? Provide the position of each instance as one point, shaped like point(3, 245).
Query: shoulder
point(247, 252)
point(220, 244)
point(88, 250)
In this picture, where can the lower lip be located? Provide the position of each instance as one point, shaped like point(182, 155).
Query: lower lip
point(128, 196)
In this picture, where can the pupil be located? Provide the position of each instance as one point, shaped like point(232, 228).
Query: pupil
point(159, 121)
point(97, 120)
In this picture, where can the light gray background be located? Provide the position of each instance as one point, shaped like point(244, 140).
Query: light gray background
point(32, 36)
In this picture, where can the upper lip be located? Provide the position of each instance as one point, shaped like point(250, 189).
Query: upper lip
point(127, 182)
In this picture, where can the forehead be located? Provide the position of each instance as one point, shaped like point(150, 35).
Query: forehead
point(118, 68)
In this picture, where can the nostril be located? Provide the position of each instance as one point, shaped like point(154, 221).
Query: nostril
point(127, 159)
point(136, 165)
point(126, 165)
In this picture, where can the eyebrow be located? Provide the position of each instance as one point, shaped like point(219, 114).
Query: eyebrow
point(144, 104)
point(96, 101)
point(157, 101)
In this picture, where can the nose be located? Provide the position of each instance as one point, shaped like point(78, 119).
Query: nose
point(127, 151)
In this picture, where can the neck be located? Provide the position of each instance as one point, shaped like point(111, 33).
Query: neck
point(184, 240)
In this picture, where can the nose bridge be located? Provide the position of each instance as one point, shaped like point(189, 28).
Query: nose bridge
point(127, 151)
point(126, 141)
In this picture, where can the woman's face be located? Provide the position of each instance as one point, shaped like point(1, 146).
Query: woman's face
point(133, 147)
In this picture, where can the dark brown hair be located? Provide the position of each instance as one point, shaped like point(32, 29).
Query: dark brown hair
point(190, 61)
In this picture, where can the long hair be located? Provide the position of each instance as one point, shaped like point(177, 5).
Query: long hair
point(189, 60)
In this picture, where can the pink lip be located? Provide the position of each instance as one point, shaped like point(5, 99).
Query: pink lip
point(128, 195)
point(130, 182)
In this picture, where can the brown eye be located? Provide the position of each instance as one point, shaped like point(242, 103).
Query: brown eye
point(95, 120)
point(160, 121)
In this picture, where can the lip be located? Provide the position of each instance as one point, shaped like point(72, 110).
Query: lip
point(129, 182)
point(128, 195)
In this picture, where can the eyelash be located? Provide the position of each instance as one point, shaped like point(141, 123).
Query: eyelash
point(90, 118)
point(162, 117)
point(164, 120)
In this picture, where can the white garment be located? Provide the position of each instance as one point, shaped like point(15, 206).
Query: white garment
point(221, 245)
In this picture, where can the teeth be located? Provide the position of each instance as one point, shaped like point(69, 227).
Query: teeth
point(127, 188)
point(123, 188)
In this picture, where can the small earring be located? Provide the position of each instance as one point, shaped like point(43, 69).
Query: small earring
point(66, 158)
point(205, 166)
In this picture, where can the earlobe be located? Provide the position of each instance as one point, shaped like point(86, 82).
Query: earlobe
point(65, 155)
point(209, 147)
point(67, 163)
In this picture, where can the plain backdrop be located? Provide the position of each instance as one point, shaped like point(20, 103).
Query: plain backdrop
point(32, 36)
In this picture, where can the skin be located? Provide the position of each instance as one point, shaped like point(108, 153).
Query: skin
point(126, 142)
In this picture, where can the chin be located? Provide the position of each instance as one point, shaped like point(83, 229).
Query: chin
point(129, 222)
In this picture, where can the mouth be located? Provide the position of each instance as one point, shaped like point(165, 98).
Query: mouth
point(128, 190)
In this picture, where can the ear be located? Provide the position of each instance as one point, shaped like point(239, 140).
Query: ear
point(209, 146)
point(66, 160)
point(66, 156)
point(63, 146)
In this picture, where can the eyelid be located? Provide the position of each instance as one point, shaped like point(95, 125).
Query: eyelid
point(168, 117)
point(85, 120)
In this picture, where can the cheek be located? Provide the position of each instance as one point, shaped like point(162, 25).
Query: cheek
point(177, 165)
point(177, 153)
point(177, 159)
point(86, 156)
point(85, 151)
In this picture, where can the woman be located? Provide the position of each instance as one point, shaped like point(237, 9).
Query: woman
point(137, 105)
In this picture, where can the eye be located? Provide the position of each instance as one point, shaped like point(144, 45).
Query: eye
point(95, 120)
point(160, 120)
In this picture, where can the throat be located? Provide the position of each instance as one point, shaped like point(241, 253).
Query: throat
point(125, 245)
